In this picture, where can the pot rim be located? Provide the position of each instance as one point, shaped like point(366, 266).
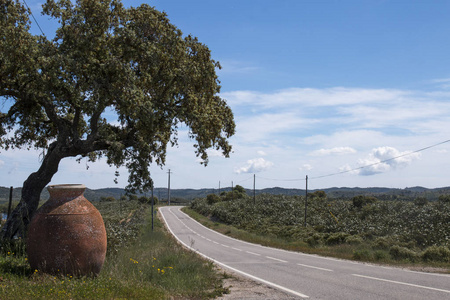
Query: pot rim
point(66, 186)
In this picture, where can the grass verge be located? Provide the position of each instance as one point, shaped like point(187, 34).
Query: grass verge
point(140, 264)
point(356, 251)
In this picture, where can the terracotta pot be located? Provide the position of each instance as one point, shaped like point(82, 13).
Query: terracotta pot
point(67, 235)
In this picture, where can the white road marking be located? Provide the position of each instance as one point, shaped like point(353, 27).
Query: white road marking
point(231, 268)
point(225, 246)
point(313, 267)
point(273, 258)
point(253, 253)
point(403, 283)
point(237, 249)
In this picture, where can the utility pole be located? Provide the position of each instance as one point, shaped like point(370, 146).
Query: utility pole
point(153, 203)
point(10, 202)
point(254, 190)
point(168, 189)
point(219, 187)
point(306, 198)
point(232, 191)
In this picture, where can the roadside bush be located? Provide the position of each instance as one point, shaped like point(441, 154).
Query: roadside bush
point(436, 253)
point(400, 253)
point(363, 254)
point(354, 240)
point(212, 198)
point(314, 239)
point(382, 243)
point(380, 255)
point(337, 238)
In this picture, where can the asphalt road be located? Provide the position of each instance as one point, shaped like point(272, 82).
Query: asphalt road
point(305, 275)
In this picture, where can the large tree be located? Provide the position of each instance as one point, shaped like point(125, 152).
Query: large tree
point(131, 63)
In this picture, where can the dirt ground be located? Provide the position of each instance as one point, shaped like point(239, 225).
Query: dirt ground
point(241, 287)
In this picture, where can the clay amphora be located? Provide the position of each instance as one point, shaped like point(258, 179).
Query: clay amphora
point(67, 234)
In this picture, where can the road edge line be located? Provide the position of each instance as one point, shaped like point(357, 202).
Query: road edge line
point(231, 268)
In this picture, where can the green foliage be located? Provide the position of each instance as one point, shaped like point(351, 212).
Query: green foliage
point(360, 201)
point(444, 198)
point(337, 238)
point(362, 254)
point(107, 199)
point(420, 201)
point(148, 200)
point(107, 58)
point(436, 253)
point(403, 253)
point(133, 197)
point(142, 264)
point(382, 226)
point(212, 198)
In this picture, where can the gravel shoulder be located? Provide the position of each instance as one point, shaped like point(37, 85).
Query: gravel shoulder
point(241, 287)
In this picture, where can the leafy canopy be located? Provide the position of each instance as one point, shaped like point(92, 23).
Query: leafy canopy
point(105, 59)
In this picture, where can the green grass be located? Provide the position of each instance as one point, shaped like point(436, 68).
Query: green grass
point(352, 251)
point(140, 264)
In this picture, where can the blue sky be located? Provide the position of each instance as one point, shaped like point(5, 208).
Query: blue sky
point(317, 88)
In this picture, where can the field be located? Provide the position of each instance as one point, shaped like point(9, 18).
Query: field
point(140, 264)
point(362, 228)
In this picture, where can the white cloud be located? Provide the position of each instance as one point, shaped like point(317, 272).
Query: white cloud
point(311, 97)
point(261, 153)
point(254, 166)
point(335, 150)
point(384, 159)
point(306, 167)
point(236, 67)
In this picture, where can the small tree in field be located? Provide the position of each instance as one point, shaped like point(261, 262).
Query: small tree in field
point(129, 63)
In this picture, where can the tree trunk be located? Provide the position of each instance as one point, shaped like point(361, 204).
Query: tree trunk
point(17, 223)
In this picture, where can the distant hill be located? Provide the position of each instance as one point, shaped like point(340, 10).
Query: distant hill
point(381, 193)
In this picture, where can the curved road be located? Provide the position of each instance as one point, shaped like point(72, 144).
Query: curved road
point(304, 275)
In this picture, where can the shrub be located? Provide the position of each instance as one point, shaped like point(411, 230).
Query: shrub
point(380, 254)
point(400, 253)
point(314, 239)
point(360, 201)
point(381, 243)
point(212, 198)
point(444, 198)
point(436, 253)
point(148, 200)
point(354, 240)
point(420, 201)
point(107, 199)
point(363, 254)
point(337, 238)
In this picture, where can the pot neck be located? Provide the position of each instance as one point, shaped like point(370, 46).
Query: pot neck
point(66, 192)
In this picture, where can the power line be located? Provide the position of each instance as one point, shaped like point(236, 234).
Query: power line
point(34, 17)
point(276, 179)
point(381, 162)
point(359, 168)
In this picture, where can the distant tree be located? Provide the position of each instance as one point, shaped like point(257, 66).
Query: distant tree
point(444, 198)
point(239, 189)
point(319, 194)
point(237, 192)
point(361, 200)
point(420, 201)
point(107, 199)
point(212, 198)
point(133, 197)
point(114, 82)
